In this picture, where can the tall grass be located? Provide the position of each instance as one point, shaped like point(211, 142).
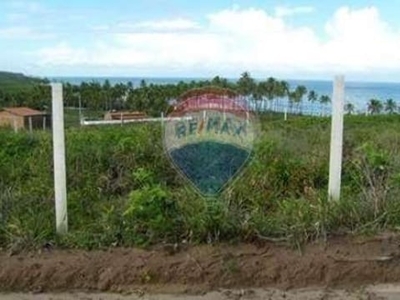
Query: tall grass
point(122, 190)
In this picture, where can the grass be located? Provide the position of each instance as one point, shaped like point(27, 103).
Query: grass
point(13, 82)
point(71, 116)
point(122, 190)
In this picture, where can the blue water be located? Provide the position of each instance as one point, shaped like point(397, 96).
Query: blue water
point(357, 93)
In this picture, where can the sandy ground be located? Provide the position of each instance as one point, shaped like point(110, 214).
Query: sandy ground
point(381, 292)
point(343, 268)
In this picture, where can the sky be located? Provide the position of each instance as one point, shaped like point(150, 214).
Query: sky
point(184, 38)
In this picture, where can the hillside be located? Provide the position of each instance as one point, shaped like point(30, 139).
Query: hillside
point(12, 82)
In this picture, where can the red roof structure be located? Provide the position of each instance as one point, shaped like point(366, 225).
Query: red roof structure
point(23, 111)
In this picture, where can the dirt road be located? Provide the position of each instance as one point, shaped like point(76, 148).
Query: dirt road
point(384, 292)
point(335, 270)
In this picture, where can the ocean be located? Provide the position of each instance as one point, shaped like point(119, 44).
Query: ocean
point(356, 93)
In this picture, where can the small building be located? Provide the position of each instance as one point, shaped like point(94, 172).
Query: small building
point(24, 118)
point(124, 115)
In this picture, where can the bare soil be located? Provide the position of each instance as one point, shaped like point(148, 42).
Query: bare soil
point(242, 271)
point(371, 293)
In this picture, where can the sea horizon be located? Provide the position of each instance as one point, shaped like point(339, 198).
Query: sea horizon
point(126, 78)
point(358, 93)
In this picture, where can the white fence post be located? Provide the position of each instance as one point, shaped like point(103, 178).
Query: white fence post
point(335, 167)
point(30, 125)
point(15, 126)
point(162, 120)
point(60, 185)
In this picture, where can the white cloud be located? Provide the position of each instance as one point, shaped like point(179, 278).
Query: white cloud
point(22, 33)
point(360, 39)
point(62, 53)
point(285, 11)
point(164, 25)
point(253, 22)
point(236, 39)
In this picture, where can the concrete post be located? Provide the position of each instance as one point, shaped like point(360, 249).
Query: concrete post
point(60, 185)
point(30, 125)
point(335, 168)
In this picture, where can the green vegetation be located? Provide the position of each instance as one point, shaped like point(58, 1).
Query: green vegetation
point(15, 81)
point(95, 97)
point(19, 90)
point(124, 192)
point(150, 98)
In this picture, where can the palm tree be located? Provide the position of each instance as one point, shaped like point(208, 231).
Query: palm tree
point(349, 108)
point(281, 90)
point(220, 82)
point(300, 92)
point(261, 93)
point(312, 96)
point(266, 90)
point(324, 100)
point(292, 100)
point(118, 96)
point(390, 106)
point(375, 106)
point(270, 87)
point(143, 83)
point(246, 85)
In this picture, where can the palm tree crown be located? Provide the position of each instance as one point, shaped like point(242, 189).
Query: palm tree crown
point(375, 106)
point(390, 106)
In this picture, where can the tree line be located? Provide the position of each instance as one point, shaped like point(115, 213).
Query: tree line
point(376, 106)
point(154, 98)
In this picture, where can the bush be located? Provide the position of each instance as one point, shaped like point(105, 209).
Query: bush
point(122, 190)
